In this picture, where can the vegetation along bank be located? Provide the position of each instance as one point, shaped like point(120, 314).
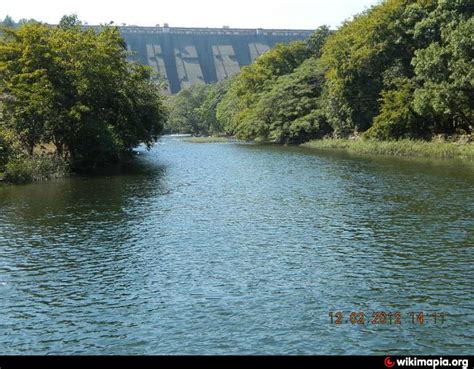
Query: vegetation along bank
point(398, 76)
point(70, 100)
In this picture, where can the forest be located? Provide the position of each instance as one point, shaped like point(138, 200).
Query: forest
point(70, 100)
point(402, 69)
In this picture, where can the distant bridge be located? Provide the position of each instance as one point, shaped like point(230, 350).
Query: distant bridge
point(187, 56)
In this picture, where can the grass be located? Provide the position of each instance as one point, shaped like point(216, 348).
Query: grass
point(433, 149)
point(36, 168)
point(202, 140)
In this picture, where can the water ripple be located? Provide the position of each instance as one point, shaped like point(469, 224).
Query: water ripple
point(238, 249)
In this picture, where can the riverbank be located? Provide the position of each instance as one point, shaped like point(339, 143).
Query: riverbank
point(34, 169)
point(203, 140)
point(433, 149)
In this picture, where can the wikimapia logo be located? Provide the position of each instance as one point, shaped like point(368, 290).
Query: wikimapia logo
point(427, 363)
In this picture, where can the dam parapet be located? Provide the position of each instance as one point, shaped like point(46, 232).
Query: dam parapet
point(183, 57)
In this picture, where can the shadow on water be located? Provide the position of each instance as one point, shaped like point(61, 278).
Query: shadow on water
point(73, 246)
point(109, 189)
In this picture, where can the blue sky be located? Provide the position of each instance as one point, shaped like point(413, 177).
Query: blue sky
point(304, 14)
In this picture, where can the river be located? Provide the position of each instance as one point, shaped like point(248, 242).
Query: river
point(240, 249)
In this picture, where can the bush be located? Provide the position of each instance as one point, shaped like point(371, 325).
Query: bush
point(36, 168)
point(397, 118)
point(4, 154)
point(405, 147)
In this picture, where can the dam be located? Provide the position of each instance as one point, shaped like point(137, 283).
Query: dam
point(183, 57)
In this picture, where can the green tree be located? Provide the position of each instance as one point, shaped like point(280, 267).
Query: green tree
point(69, 21)
point(208, 109)
point(185, 111)
point(444, 70)
point(235, 110)
point(290, 111)
point(401, 69)
point(365, 56)
point(397, 118)
point(25, 85)
point(436, 94)
point(76, 89)
point(193, 110)
point(318, 39)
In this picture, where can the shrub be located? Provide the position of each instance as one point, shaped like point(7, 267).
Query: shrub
point(4, 154)
point(35, 168)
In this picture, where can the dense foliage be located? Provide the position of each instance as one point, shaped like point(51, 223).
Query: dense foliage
point(74, 88)
point(237, 111)
point(289, 110)
point(193, 110)
point(401, 69)
point(395, 70)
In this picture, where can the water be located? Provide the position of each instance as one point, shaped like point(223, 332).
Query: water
point(239, 249)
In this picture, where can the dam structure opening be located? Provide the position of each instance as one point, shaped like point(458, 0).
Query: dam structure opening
point(183, 57)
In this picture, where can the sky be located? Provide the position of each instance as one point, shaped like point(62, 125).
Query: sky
point(291, 14)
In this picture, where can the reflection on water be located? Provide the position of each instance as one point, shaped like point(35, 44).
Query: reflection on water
point(227, 248)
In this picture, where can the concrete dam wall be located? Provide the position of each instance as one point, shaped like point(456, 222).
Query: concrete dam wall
point(187, 56)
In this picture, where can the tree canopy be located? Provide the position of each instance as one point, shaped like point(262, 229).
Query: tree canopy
point(401, 69)
point(193, 110)
point(74, 87)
